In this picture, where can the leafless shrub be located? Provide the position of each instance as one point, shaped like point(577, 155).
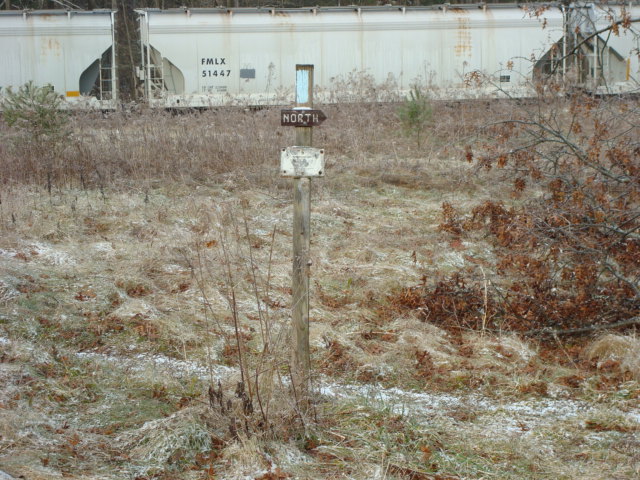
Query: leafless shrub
point(566, 238)
point(260, 401)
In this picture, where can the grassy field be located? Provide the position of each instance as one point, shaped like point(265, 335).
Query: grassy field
point(145, 287)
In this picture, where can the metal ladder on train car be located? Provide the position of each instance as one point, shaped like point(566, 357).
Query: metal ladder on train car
point(106, 82)
point(156, 81)
point(156, 75)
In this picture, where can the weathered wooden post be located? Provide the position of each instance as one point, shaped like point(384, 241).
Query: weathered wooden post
point(301, 162)
point(301, 243)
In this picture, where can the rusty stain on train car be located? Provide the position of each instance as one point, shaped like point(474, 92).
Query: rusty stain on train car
point(463, 46)
point(51, 47)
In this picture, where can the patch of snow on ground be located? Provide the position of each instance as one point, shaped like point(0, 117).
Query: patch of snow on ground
point(634, 415)
point(492, 414)
point(7, 253)
point(174, 367)
point(7, 292)
point(401, 401)
point(55, 257)
point(103, 247)
point(134, 307)
point(453, 259)
point(173, 268)
point(558, 409)
point(511, 417)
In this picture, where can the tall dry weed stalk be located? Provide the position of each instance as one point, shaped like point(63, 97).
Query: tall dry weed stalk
point(255, 340)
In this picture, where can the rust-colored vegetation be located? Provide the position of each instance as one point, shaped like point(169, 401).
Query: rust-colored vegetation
point(567, 251)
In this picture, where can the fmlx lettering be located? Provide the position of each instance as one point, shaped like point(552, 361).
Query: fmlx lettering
point(213, 61)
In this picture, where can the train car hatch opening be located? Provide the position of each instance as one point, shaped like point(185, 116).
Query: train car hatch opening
point(173, 78)
point(164, 76)
point(592, 68)
point(550, 63)
point(96, 80)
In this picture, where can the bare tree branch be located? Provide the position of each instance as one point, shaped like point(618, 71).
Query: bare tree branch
point(586, 39)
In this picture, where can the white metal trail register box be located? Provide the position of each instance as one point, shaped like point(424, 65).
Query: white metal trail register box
point(302, 162)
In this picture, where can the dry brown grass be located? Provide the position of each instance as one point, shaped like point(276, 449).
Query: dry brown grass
point(141, 149)
point(116, 314)
point(616, 352)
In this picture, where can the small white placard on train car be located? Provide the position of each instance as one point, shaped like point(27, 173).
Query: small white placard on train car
point(302, 162)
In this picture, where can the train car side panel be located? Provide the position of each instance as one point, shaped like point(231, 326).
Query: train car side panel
point(70, 51)
point(249, 55)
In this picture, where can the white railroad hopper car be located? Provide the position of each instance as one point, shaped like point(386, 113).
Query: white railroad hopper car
point(202, 57)
point(72, 51)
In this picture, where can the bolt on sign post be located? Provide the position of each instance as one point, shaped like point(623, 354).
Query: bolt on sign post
point(301, 162)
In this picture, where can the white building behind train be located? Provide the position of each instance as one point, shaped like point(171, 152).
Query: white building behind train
point(71, 51)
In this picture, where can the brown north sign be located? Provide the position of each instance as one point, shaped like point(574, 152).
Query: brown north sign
point(301, 118)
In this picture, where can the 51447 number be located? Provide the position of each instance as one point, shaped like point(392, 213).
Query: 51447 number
point(216, 73)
